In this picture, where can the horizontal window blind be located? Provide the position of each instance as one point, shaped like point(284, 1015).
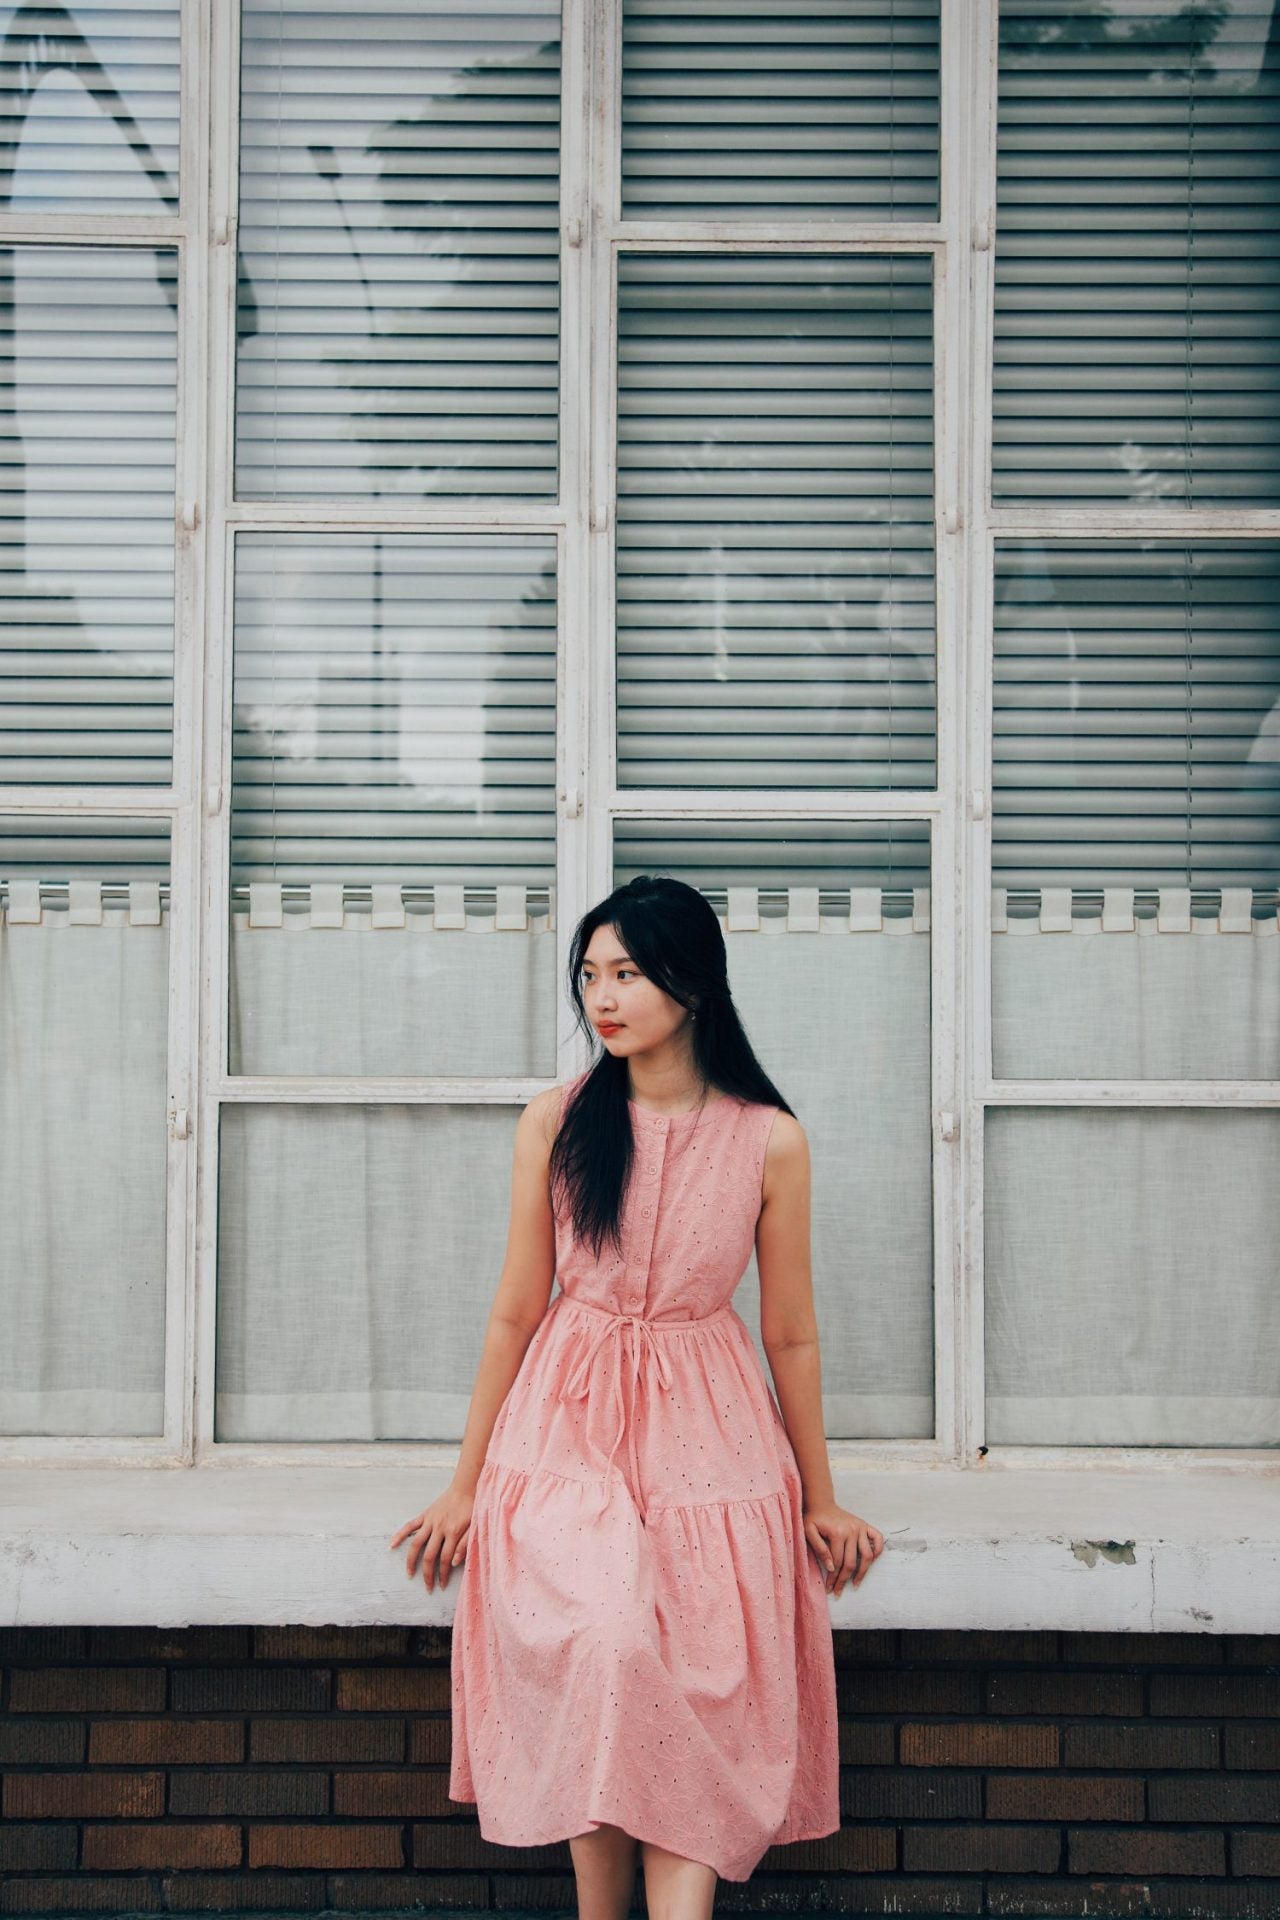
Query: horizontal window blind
point(772, 856)
point(87, 413)
point(1137, 714)
point(747, 109)
point(394, 709)
point(397, 314)
point(89, 108)
point(774, 525)
point(1137, 302)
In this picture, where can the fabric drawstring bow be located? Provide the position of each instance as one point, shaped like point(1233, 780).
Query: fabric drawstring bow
point(636, 1332)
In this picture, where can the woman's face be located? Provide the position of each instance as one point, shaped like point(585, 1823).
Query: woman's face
point(630, 1014)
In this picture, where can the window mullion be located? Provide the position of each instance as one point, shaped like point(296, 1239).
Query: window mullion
point(974, 229)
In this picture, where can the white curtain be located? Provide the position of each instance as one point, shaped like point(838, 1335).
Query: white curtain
point(83, 1004)
point(1130, 1280)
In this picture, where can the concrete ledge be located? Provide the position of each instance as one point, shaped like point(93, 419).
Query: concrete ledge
point(1126, 1552)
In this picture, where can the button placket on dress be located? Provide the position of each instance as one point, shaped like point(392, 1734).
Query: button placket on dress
point(629, 1331)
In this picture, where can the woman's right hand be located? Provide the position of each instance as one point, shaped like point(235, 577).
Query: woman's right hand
point(438, 1532)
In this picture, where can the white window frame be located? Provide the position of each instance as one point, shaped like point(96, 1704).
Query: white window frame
point(958, 811)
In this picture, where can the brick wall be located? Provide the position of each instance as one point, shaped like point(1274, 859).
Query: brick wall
point(304, 1769)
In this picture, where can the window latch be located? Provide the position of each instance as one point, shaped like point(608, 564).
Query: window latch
point(178, 1121)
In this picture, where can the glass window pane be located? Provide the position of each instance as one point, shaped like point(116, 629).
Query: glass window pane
point(775, 602)
point(84, 956)
point(393, 824)
point(827, 930)
point(89, 119)
point(1137, 304)
point(1136, 826)
point(397, 312)
point(1131, 1294)
point(356, 1268)
point(730, 111)
point(87, 513)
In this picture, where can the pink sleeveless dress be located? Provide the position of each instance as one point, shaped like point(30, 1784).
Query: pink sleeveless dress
point(641, 1634)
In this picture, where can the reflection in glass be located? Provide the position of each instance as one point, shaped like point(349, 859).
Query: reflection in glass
point(1137, 297)
point(393, 830)
point(398, 323)
point(357, 1258)
point(84, 947)
point(775, 605)
point(87, 408)
point(1131, 1294)
point(89, 107)
point(776, 112)
point(827, 929)
point(1137, 799)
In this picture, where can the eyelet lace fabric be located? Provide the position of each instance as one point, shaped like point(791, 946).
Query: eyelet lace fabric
point(641, 1633)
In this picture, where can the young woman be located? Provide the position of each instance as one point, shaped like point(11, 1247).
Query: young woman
point(642, 1656)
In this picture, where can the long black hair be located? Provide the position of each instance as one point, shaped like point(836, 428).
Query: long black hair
point(671, 932)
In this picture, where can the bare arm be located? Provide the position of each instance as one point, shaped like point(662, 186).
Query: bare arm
point(524, 1285)
point(789, 1335)
point(440, 1533)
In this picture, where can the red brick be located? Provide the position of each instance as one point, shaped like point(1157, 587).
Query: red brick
point(331, 1643)
point(49, 1743)
point(1245, 1696)
point(925, 1894)
point(1062, 1796)
point(407, 1794)
point(1251, 1649)
point(903, 1691)
point(324, 1845)
point(83, 1796)
point(1064, 1897)
point(977, 1743)
point(86, 1690)
point(170, 1644)
point(165, 1742)
point(521, 1893)
point(328, 1741)
point(431, 1643)
point(851, 1850)
point(895, 1795)
point(250, 1689)
point(244, 1892)
point(81, 1893)
point(1215, 1796)
point(1252, 1746)
point(981, 1849)
point(864, 1646)
point(1224, 1900)
point(977, 1647)
point(1139, 1745)
point(28, 1847)
point(867, 1743)
point(161, 1843)
point(249, 1791)
point(1050, 1692)
point(430, 1740)
point(42, 1646)
point(457, 1843)
point(369, 1892)
point(1256, 1853)
point(1144, 1850)
point(1142, 1649)
point(393, 1690)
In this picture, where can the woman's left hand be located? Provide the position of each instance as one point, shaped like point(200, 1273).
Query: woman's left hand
point(842, 1541)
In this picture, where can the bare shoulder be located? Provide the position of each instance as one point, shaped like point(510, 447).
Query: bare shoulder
point(541, 1115)
point(787, 1152)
